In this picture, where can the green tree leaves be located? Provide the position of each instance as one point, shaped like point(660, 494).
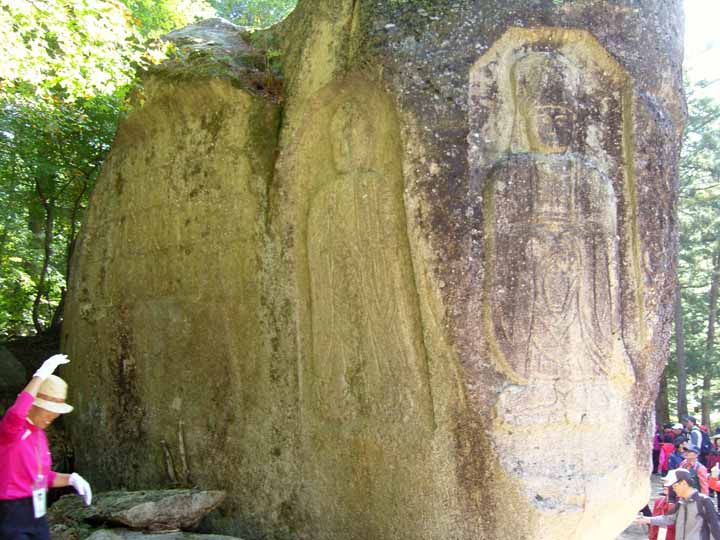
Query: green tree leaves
point(66, 50)
point(256, 13)
point(154, 18)
point(66, 70)
point(699, 223)
point(49, 159)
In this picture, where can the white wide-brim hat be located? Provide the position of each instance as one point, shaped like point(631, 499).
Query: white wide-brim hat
point(674, 476)
point(52, 394)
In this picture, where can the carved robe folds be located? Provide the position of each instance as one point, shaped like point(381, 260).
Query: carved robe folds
point(554, 272)
point(549, 156)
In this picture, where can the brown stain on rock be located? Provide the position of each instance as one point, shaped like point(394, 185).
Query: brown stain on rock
point(426, 441)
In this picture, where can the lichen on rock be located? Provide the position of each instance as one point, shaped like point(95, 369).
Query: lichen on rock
point(219, 49)
point(418, 293)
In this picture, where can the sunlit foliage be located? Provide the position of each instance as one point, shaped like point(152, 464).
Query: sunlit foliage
point(255, 13)
point(65, 71)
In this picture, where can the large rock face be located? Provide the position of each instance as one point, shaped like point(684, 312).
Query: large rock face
point(13, 379)
point(436, 306)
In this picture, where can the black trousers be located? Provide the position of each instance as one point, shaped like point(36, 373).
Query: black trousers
point(18, 522)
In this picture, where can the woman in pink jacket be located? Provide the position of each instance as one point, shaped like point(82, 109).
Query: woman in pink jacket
point(25, 462)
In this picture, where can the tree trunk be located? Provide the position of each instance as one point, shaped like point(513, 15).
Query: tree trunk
point(662, 405)
point(682, 409)
point(710, 341)
point(77, 203)
point(58, 314)
point(47, 248)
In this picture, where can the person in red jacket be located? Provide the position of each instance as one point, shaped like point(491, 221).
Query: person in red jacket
point(663, 505)
point(666, 449)
point(713, 481)
point(25, 463)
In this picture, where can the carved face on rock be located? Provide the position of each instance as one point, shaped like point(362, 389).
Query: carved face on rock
point(351, 137)
point(546, 89)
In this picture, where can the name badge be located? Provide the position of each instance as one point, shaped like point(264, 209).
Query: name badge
point(39, 497)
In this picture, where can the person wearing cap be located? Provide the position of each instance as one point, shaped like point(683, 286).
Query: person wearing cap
point(694, 517)
point(698, 472)
point(678, 456)
point(25, 461)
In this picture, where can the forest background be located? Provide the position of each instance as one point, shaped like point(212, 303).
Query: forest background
point(68, 75)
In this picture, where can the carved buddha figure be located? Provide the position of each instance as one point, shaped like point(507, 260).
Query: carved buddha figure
point(552, 287)
point(365, 331)
point(546, 87)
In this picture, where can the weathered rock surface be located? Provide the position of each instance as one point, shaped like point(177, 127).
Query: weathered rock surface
point(640, 532)
point(182, 210)
point(65, 532)
point(216, 48)
point(428, 304)
point(13, 378)
point(122, 534)
point(163, 510)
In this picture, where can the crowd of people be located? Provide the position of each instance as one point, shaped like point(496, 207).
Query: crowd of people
point(672, 440)
point(688, 459)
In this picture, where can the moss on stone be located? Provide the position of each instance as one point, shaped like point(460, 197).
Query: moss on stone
point(216, 49)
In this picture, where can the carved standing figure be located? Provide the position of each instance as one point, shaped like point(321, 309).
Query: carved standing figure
point(553, 226)
point(365, 326)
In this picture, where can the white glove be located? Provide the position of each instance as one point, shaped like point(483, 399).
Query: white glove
point(50, 365)
point(82, 487)
point(715, 471)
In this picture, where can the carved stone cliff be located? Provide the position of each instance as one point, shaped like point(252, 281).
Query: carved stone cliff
point(423, 291)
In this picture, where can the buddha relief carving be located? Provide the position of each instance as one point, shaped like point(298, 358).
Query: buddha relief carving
point(552, 285)
point(365, 321)
point(545, 87)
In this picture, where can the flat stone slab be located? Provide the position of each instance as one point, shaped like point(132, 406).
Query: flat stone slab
point(160, 510)
point(124, 534)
